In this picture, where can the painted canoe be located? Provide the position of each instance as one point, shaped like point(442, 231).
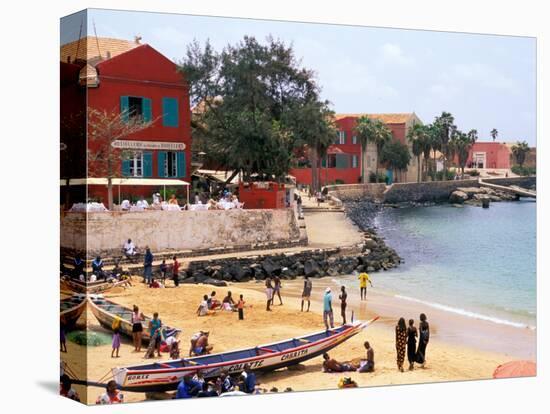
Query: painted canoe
point(70, 310)
point(75, 285)
point(165, 376)
point(106, 311)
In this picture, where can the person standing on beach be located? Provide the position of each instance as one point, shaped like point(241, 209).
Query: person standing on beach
point(400, 342)
point(343, 303)
point(176, 271)
point(268, 293)
point(363, 279)
point(412, 333)
point(137, 328)
point(155, 333)
point(276, 290)
point(240, 307)
point(116, 343)
point(306, 293)
point(327, 309)
point(423, 340)
point(148, 265)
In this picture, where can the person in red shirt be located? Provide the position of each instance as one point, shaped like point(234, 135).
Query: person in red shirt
point(175, 271)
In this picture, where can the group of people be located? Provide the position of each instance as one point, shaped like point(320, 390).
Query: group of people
point(405, 341)
point(210, 303)
point(195, 385)
point(365, 365)
point(273, 287)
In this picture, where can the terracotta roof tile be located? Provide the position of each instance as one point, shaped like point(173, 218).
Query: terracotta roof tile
point(385, 118)
point(94, 50)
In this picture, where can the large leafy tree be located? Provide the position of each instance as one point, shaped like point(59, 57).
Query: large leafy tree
point(106, 127)
point(396, 156)
point(256, 104)
point(520, 150)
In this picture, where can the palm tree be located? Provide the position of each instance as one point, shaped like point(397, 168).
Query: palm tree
point(494, 134)
point(520, 150)
point(446, 126)
point(461, 144)
point(433, 144)
point(382, 136)
point(418, 135)
point(366, 132)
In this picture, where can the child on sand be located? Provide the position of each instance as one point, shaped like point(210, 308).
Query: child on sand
point(116, 343)
point(240, 307)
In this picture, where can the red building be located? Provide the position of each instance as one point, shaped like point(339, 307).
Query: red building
point(262, 195)
point(136, 80)
point(342, 165)
point(492, 155)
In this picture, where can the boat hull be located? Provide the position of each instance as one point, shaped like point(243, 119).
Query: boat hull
point(91, 287)
point(71, 310)
point(134, 379)
point(106, 320)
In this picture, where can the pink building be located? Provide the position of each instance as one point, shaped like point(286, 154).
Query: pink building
point(495, 155)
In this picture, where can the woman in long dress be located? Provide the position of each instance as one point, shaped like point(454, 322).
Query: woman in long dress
point(412, 333)
point(400, 342)
point(423, 340)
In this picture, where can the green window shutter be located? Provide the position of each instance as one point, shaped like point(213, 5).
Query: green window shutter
point(147, 164)
point(324, 162)
point(126, 168)
point(161, 162)
point(124, 107)
point(341, 161)
point(170, 112)
point(146, 108)
point(181, 164)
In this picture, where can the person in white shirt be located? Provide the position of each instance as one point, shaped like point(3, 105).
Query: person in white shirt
point(125, 205)
point(129, 249)
point(203, 307)
point(156, 199)
point(142, 203)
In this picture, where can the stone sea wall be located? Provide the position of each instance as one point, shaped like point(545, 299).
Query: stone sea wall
point(177, 230)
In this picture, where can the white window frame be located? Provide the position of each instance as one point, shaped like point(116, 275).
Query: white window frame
point(341, 137)
point(354, 139)
point(174, 164)
point(136, 164)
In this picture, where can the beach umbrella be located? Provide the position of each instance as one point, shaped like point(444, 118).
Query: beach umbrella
point(516, 369)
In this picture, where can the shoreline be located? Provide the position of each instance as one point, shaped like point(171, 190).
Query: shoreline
point(452, 328)
point(446, 360)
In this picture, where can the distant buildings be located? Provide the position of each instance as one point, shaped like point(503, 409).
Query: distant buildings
point(343, 161)
point(129, 77)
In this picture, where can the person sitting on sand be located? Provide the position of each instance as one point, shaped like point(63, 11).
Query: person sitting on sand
point(213, 303)
point(111, 395)
point(225, 383)
point(188, 387)
point(129, 249)
point(368, 364)
point(155, 284)
point(248, 384)
point(228, 303)
point(331, 365)
point(78, 267)
point(203, 307)
point(66, 388)
point(97, 268)
point(200, 345)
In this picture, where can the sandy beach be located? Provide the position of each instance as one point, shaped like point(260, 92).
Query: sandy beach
point(449, 358)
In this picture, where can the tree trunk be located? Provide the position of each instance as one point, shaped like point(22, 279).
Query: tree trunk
point(110, 193)
point(363, 163)
point(313, 160)
point(418, 168)
point(435, 168)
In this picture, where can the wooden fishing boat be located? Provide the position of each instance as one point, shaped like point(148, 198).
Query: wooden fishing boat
point(100, 286)
point(71, 309)
point(106, 311)
point(165, 376)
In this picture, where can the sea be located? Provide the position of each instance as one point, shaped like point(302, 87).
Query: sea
point(477, 262)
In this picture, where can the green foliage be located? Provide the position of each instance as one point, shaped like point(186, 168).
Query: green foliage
point(474, 173)
point(372, 131)
point(256, 105)
point(520, 150)
point(382, 178)
point(338, 181)
point(396, 156)
point(524, 171)
point(89, 338)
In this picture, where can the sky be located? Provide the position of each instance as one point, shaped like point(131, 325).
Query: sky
point(485, 81)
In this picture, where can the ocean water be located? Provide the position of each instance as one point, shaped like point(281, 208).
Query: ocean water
point(476, 262)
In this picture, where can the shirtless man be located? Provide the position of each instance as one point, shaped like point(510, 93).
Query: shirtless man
point(199, 344)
